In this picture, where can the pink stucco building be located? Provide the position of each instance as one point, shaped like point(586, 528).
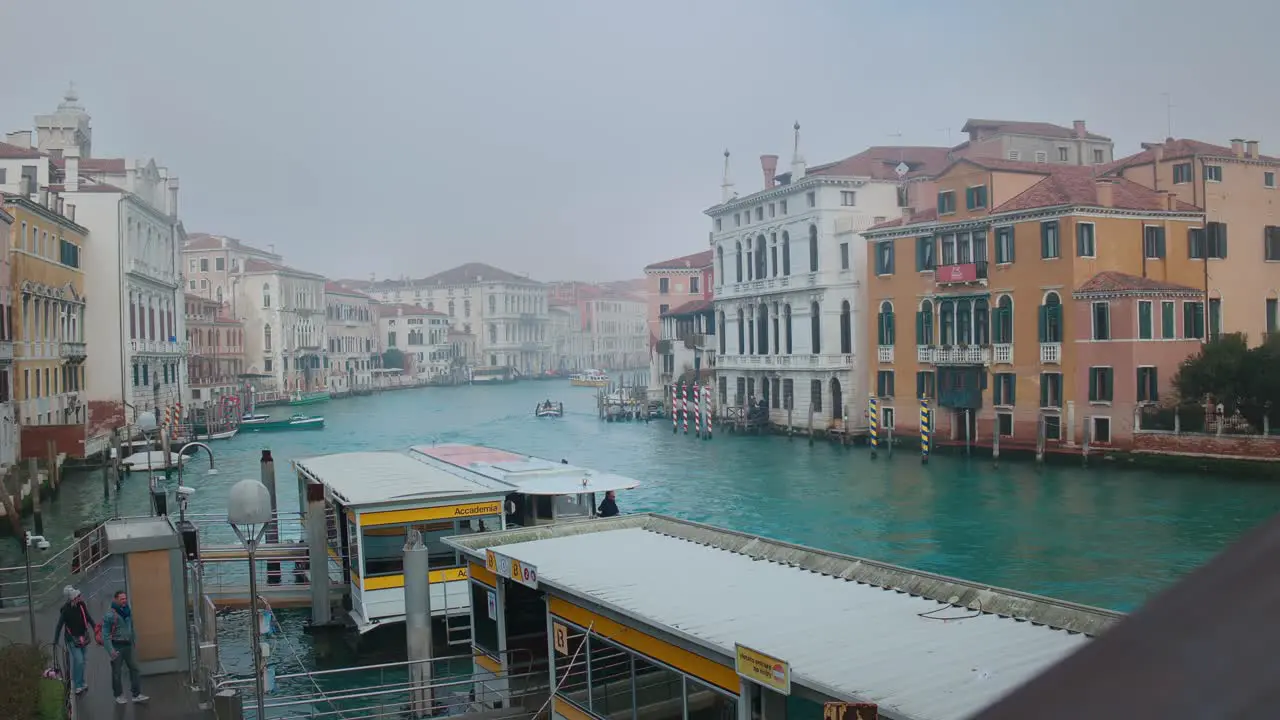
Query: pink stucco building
point(672, 283)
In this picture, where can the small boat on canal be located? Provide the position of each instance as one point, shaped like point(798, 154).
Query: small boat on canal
point(373, 499)
point(549, 409)
point(309, 398)
point(151, 460)
point(590, 378)
point(250, 418)
point(293, 422)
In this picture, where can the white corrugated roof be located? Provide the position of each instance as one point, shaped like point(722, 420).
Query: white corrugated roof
point(365, 478)
point(859, 641)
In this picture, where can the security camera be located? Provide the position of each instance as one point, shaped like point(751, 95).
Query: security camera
point(37, 541)
point(185, 491)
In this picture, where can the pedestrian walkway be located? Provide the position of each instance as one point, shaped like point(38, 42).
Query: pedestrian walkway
point(170, 697)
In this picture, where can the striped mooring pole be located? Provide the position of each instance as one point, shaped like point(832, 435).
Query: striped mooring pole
point(697, 411)
point(685, 402)
point(675, 409)
point(873, 419)
point(926, 429)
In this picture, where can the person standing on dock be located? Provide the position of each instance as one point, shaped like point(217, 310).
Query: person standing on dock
point(118, 637)
point(608, 506)
point(75, 621)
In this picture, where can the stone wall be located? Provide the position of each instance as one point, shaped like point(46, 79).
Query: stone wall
point(1252, 447)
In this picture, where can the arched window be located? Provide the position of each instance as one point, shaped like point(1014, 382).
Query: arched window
point(786, 322)
point(742, 333)
point(786, 253)
point(981, 322)
point(813, 248)
point(773, 254)
point(924, 323)
point(451, 309)
point(719, 264)
point(762, 329)
point(266, 295)
point(837, 400)
point(762, 267)
point(777, 336)
point(721, 333)
point(751, 330)
point(266, 338)
point(737, 259)
point(815, 328)
point(1002, 321)
point(947, 322)
point(964, 322)
point(1051, 319)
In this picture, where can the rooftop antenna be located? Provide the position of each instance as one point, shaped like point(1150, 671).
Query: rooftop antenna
point(1168, 114)
point(902, 152)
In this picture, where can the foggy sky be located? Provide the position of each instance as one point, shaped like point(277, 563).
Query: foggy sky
point(583, 139)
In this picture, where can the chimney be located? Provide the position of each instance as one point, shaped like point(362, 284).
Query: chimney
point(22, 139)
point(71, 169)
point(43, 197)
point(1104, 188)
point(1157, 152)
point(1078, 126)
point(173, 197)
point(57, 199)
point(1237, 147)
point(71, 212)
point(1252, 149)
point(769, 164)
point(1172, 200)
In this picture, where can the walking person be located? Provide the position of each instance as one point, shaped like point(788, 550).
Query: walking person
point(118, 637)
point(75, 625)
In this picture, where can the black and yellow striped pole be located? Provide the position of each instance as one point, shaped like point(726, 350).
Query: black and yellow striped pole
point(873, 419)
point(926, 430)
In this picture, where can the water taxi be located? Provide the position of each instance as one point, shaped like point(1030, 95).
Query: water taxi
point(151, 460)
point(372, 499)
point(549, 409)
point(293, 422)
point(492, 374)
point(590, 378)
point(250, 418)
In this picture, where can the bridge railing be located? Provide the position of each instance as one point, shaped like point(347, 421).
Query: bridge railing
point(51, 571)
point(387, 691)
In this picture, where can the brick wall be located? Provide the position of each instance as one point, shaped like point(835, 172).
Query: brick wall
point(105, 416)
point(69, 439)
point(1255, 447)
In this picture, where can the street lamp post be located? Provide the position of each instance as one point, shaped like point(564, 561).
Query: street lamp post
point(249, 514)
point(29, 542)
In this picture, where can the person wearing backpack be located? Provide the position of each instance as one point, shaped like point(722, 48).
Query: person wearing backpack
point(118, 639)
point(74, 620)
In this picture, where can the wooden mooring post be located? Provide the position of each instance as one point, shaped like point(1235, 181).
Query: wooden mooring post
point(1040, 430)
point(995, 441)
point(33, 484)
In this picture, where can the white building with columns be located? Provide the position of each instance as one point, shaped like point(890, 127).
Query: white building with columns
point(283, 311)
point(134, 327)
point(790, 267)
point(351, 330)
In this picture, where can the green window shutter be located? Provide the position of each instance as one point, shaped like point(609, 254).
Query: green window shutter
point(1043, 322)
point(941, 205)
point(1044, 390)
point(880, 329)
point(1168, 321)
point(1093, 384)
point(919, 254)
point(920, 328)
point(1153, 392)
point(1144, 320)
point(1188, 320)
point(893, 340)
point(1044, 240)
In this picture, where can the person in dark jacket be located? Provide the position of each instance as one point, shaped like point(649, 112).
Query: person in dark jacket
point(118, 637)
point(75, 625)
point(608, 506)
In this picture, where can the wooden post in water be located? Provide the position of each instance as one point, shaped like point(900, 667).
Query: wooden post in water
point(164, 448)
point(791, 426)
point(890, 440)
point(1040, 439)
point(12, 500)
point(51, 449)
point(968, 439)
point(810, 423)
point(995, 441)
point(33, 480)
point(1084, 448)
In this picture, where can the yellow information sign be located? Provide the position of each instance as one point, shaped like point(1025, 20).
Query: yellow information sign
point(763, 669)
point(442, 512)
point(560, 638)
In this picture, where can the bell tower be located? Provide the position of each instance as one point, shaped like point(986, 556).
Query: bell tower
point(67, 127)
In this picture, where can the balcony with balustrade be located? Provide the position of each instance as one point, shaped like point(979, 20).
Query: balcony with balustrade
point(953, 354)
point(884, 354)
point(834, 361)
point(73, 351)
point(1002, 354)
point(157, 347)
point(1051, 353)
point(961, 274)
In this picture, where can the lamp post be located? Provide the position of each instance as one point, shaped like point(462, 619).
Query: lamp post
point(249, 513)
point(30, 542)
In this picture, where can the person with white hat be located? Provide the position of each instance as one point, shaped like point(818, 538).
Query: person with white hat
point(75, 626)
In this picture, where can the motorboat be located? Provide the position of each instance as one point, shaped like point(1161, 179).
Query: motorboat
point(293, 422)
point(251, 418)
point(590, 378)
point(549, 409)
point(152, 460)
point(309, 398)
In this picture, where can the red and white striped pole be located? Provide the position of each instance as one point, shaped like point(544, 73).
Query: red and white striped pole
point(697, 410)
point(675, 409)
point(685, 392)
point(706, 392)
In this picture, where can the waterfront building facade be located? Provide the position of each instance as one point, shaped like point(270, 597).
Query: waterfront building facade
point(672, 283)
point(506, 312)
point(1095, 270)
point(283, 311)
point(421, 335)
point(790, 273)
point(211, 263)
point(1034, 142)
point(1237, 187)
point(352, 335)
point(47, 317)
point(568, 349)
point(686, 347)
point(215, 342)
point(8, 417)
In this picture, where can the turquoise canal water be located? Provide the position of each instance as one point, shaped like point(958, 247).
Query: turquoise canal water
point(1099, 536)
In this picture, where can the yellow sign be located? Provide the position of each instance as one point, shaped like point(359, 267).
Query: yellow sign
point(491, 561)
point(850, 711)
point(388, 582)
point(763, 669)
point(560, 638)
point(443, 512)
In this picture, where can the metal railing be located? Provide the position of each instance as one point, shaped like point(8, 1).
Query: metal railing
point(387, 690)
point(69, 566)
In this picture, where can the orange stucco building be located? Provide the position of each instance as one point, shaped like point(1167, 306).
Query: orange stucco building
point(1031, 296)
point(1237, 187)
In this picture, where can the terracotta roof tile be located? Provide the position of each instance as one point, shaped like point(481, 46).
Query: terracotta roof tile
point(1177, 148)
point(693, 306)
point(1077, 185)
point(110, 166)
point(1023, 127)
point(879, 162)
point(13, 152)
point(697, 260)
point(1110, 282)
point(473, 273)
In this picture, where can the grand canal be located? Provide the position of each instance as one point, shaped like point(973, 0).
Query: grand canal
point(1098, 536)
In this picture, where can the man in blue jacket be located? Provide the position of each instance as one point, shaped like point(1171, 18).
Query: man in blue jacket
point(118, 637)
